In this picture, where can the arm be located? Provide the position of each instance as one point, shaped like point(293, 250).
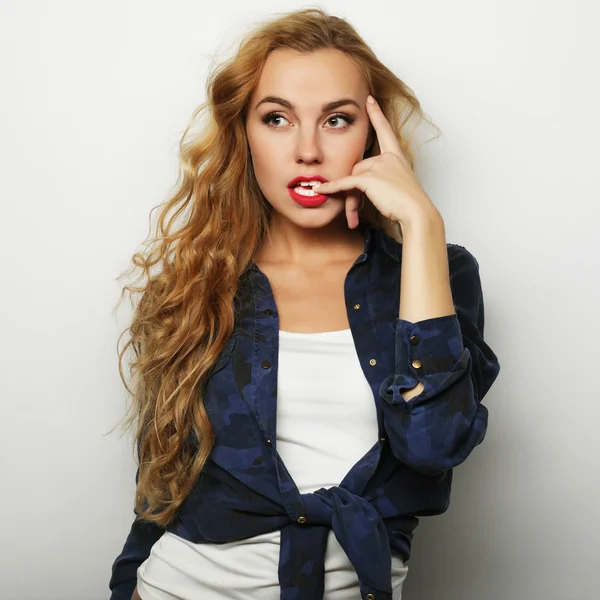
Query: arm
point(432, 407)
point(425, 285)
point(142, 536)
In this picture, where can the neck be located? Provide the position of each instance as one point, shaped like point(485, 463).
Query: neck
point(291, 244)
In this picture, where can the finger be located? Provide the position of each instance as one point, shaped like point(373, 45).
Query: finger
point(352, 202)
point(343, 184)
point(383, 130)
point(365, 165)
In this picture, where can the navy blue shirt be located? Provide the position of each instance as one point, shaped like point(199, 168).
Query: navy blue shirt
point(245, 489)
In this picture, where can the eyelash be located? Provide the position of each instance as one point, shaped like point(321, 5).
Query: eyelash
point(348, 118)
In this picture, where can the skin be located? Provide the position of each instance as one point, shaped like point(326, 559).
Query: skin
point(302, 141)
point(305, 141)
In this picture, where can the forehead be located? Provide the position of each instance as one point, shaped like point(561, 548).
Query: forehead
point(309, 79)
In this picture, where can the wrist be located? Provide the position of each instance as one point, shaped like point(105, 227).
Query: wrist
point(428, 220)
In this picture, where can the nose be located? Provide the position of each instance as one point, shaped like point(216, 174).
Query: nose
point(308, 147)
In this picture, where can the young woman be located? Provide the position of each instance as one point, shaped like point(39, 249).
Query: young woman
point(305, 378)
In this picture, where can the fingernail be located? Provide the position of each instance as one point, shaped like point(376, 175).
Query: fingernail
point(370, 99)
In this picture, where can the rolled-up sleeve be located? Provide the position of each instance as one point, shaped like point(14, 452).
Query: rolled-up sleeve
point(437, 429)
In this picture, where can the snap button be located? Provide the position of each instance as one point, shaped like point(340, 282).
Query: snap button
point(372, 362)
point(301, 520)
point(382, 439)
point(268, 311)
point(370, 597)
point(265, 364)
point(414, 340)
point(356, 306)
point(416, 364)
point(269, 442)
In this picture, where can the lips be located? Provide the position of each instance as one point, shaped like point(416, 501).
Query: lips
point(296, 181)
point(308, 201)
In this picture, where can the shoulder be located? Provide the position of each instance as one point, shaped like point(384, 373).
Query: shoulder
point(461, 258)
point(465, 281)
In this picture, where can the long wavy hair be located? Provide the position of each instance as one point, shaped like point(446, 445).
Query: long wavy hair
point(207, 235)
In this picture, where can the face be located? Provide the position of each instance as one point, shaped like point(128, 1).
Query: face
point(308, 138)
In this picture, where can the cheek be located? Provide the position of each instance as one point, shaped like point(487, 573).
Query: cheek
point(264, 164)
point(353, 152)
point(354, 144)
point(260, 154)
point(266, 168)
point(264, 151)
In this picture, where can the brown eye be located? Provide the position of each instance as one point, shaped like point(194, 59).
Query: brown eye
point(348, 118)
point(269, 118)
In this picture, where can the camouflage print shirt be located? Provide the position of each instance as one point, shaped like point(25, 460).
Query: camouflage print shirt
point(246, 490)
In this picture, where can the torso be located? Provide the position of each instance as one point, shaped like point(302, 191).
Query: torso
point(309, 301)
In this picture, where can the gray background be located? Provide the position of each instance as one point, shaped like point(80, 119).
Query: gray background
point(94, 98)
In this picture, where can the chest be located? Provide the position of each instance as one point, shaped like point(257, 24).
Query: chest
point(309, 300)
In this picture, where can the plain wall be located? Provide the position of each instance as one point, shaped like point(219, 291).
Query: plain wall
point(95, 96)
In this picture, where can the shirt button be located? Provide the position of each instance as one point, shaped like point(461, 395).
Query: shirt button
point(356, 306)
point(372, 362)
point(301, 520)
point(268, 311)
point(414, 340)
point(369, 597)
point(416, 364)
point(265, 364)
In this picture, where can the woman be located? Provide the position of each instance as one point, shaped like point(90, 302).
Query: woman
point(305, 380)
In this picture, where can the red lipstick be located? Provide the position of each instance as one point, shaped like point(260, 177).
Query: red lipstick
point(307, 200)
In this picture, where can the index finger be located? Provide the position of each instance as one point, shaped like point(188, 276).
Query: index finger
point(383, 130)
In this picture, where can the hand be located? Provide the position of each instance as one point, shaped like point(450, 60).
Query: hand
point(387, 179)
point(136, 596)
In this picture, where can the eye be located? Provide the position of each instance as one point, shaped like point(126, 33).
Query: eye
point(348, 118)
point(268, 119)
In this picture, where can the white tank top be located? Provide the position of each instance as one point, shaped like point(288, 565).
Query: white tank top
point(325, 424)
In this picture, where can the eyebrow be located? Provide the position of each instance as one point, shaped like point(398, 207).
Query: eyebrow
point(325, 108)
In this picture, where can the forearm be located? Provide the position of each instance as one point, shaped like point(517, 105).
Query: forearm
point(425, 281)
point(138, 545)
point(443, 367)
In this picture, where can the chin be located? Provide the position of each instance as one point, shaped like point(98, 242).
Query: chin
point(316, 218)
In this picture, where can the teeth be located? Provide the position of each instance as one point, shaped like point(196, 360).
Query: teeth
point(305, 192)
point(308, 183)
